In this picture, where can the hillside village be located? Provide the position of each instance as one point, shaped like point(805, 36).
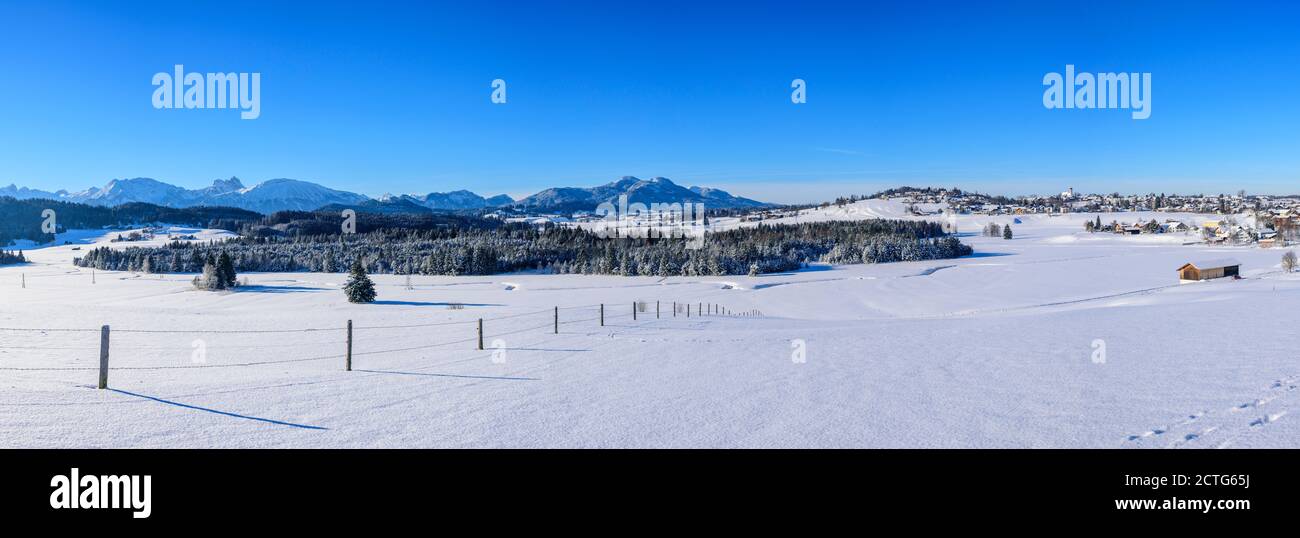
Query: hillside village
point(1239, 219)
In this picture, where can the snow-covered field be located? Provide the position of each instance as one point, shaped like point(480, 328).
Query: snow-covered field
point(999, 349)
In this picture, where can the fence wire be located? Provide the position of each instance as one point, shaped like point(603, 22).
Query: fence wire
point(129, 348)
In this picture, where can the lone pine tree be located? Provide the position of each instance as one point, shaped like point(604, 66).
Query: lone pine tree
point(359, 288)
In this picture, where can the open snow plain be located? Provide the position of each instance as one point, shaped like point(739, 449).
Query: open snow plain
point(1056, 338)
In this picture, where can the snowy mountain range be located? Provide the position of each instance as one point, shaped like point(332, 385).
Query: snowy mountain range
point(461, 199)
point(646, 191)
point(266, 197)
point(290, 194)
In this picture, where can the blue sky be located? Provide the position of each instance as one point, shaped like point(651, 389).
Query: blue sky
point(379, 97)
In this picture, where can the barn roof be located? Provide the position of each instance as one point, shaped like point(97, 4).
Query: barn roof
point(1212, 264)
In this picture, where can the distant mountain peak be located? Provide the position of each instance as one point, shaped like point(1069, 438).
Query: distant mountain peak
point(227, 185)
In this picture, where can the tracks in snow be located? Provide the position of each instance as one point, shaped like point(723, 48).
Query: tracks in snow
point(1221, 428)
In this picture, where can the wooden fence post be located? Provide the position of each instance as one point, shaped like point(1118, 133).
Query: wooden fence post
point(480, 333)
point(688, 310)
point(103, 357)
point(348, 364)
point(674, 308)
point(633, 310)
point(602, 314)
point(557, 320)
point(656, 309)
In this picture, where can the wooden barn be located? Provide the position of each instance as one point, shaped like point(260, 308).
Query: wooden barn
point(1209, 269)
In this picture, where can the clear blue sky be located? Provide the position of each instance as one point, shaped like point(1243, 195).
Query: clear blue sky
point(381, 97)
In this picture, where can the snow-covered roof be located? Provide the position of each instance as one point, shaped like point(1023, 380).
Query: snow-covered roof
point(1214, 263)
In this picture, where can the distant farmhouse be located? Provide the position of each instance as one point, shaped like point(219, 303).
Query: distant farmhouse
point(1209, 269)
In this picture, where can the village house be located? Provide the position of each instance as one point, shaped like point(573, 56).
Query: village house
point(1242, 236)
point(1270, 239)
point(1286, 220)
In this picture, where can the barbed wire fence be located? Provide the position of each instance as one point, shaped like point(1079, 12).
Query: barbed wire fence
point(344, 337)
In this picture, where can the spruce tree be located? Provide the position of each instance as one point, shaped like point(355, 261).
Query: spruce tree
point(226, 271)
point(1006, 232)
point(359, 288)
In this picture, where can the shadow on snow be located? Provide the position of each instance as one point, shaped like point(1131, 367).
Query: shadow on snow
point(502, 378)
point(217, 412)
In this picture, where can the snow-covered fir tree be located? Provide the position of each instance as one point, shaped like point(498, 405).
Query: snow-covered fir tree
point(359, 288)
point(226, 270)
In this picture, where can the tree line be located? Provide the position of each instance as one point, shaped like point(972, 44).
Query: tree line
point(25, 219)
point(479, 248)
point(7, 258)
